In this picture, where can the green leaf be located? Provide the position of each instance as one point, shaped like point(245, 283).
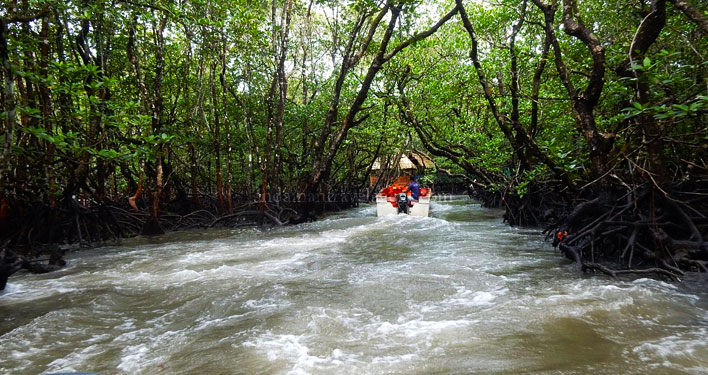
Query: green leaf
point(108, 154)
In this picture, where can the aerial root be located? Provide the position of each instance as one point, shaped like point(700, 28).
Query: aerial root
point(649, 234)
point(614, 273)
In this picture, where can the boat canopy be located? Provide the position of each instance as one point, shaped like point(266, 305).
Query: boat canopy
point(410, 160)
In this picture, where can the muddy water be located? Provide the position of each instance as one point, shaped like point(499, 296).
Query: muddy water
point(458, 293)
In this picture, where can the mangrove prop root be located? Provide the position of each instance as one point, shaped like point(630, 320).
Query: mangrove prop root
point(34, 230)
point(617, 229)
point(614, 273)
point(649, 234)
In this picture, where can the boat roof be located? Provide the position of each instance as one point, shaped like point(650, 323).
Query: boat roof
point(410, 160)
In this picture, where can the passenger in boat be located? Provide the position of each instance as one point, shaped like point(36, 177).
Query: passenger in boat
point(414, 188)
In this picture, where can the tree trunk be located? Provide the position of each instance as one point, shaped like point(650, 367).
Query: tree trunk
point(217, 138)
point(583, 102)
point(229, 149)
point(6, 162)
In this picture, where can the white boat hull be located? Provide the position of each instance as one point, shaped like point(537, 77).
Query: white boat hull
point(420, 208)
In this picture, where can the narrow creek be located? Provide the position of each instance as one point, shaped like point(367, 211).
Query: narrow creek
point(457, 293)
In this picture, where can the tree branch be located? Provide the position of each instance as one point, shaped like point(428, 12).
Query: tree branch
point(692, 13)
point(575, 27)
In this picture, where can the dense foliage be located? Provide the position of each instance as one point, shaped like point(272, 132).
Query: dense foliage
point(179, 106)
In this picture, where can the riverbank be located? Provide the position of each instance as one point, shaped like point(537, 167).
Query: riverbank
point(36, 236)
point(614, 228)
point(612, 232)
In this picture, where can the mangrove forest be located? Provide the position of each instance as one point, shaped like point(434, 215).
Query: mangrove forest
point(587, 119)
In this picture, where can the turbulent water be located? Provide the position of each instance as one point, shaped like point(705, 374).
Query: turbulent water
point(458, 293)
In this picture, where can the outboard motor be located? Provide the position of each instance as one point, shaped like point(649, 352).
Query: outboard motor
point(402, 202)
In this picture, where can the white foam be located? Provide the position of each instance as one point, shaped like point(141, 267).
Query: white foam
point(25, 353)
point(408, 338)
point(76, 359)
point(654, 283)
point(483, 298)
point(425, 328)
point(292, 349)
point(265, 304)
point(437, 207)
point(393, 359)
point(27, 288)
point(132, 335)
point(128, 324)
point(133, 358)
point(677, 351)
point(674, 345)
point(184, 276)
point(12, 289)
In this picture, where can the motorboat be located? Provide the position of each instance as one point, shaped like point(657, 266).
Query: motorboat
point(393, 200)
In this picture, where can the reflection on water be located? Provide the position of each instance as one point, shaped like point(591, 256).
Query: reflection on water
point(456, 293)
